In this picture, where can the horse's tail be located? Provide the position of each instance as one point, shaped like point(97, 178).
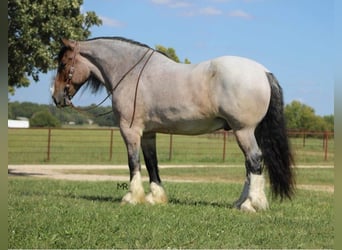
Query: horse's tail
point(271, 135)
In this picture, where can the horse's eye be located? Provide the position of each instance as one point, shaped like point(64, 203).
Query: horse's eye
point(61, 67)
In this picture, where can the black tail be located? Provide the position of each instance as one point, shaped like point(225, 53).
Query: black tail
point(272, 138)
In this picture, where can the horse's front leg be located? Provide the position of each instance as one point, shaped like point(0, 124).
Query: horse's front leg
point(136, 193)
point(157, 194)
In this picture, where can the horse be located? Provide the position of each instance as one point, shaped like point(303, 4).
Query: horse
point(153, 94)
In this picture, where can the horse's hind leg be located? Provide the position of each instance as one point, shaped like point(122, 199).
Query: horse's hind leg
point(136, 193)
point(253, 194)
point(157, 194)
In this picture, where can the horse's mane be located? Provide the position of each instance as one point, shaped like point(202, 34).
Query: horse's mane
point(131, 41)
point(119, 38)
point(93, 83)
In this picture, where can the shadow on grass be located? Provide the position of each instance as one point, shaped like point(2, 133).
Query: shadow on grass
point(173, 201)
point(95, 198)
point(12, 172)
point(176, 201)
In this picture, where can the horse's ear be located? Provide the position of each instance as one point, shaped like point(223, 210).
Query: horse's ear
point(69, 43)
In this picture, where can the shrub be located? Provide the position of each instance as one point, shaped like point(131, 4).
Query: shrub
point(44, 119)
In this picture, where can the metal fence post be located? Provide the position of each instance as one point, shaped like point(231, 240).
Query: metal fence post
point(171, 147)
point(325, 143)
point(111, 145)
point(49, 144)
point(224, 145)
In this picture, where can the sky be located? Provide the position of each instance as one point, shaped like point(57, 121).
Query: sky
point(292, 38)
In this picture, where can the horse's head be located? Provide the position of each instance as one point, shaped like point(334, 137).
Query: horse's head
point(72, 73)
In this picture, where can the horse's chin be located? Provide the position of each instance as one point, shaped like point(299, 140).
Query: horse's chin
point(66, 102)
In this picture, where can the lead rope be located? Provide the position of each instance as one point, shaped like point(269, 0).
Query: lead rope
point(110, 92)
point(136, 87)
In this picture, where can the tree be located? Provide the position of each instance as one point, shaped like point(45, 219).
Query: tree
point(171, 53)
point(329, 119)
point(300, 116)
point(44, 119)
point(24, 109)
point(35, 28)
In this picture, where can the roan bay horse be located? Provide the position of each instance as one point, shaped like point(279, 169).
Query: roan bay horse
point(151, 93)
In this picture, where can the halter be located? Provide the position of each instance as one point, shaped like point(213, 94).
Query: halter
point(110, 92)
point(70, 75)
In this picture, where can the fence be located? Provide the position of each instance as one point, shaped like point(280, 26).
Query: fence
point(90, 146)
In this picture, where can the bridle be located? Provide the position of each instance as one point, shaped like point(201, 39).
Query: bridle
point(68, 97)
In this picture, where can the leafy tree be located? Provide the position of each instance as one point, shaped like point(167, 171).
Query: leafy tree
point(35, 28)
point(44, 119)
point(300, 116)
point(187, 61)
point(24, 109)
point(103, 116)
point(329, 119)
point(171, 53)
point(67, 115)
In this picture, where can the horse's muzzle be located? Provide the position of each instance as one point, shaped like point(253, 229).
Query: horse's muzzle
point(64, 102)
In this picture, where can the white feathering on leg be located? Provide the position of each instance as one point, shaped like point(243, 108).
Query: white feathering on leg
point(257, 192)
point(157, 194)
point(136, 194)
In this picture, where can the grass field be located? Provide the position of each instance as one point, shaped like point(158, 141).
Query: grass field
point(45, 213)
point(94, 146)
point(304, 176)
point(73, 214)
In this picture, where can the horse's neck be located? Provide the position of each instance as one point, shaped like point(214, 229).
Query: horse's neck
point(114, 58)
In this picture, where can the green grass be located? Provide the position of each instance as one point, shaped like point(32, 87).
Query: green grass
point(307, 176)
point(92, 146)
point(71, 214)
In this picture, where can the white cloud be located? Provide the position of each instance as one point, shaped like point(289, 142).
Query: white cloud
point(180, 4)
point(221, 1)
point(172, 3)
point(207, 11)
point(190, 7)
point(210, 11)
point(111, 22)
point(240, 14)
point(161, 2)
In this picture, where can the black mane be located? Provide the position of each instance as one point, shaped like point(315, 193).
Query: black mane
point(123, 39)
point(119, 38)
point(93, 83)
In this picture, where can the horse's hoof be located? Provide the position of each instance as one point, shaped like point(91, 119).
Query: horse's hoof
point(247, 206)
point(157, 195)
point(130, 198)
point(260, 204)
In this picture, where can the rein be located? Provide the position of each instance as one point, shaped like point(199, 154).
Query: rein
point(136, 87)
point(110, 92)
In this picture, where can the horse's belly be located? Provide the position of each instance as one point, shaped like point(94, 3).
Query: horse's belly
point(188, 127)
